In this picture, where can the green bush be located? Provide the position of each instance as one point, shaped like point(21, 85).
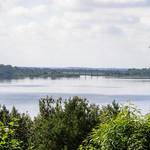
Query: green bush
point(7, 136)
point(21, 129)
point(75, 124)
point(126, 131)
point(63, 125)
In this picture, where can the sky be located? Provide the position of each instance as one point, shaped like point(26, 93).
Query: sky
point(75, 33)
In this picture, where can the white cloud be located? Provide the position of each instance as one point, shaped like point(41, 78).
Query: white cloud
point(92, 5)
point(75, 33)
point(145, 20)
point(115, 3)
point(19, 11)
point(28, 12)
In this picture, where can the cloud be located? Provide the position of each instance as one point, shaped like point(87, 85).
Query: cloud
point(28, 12)
point(145, 20)
point(7, 4)
point(95, 33)
point(114, 4)
point(92, 5)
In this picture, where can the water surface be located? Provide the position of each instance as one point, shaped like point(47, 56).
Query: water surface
point(24, 94)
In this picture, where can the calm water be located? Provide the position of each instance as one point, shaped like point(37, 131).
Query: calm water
point(24, 94)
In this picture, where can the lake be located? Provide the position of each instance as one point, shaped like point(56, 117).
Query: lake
point(24, 94)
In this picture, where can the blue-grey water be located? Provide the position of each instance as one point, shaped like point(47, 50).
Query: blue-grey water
point(24, 94)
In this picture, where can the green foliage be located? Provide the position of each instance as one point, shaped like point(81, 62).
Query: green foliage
point(4, 115)
point(75, 124)
point(7, 136)
point(109, 111)
point(23, 131)
point(63, 125)
point(125, 131)
point(22, 125)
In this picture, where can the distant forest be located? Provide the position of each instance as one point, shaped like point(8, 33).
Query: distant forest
point(13, 72)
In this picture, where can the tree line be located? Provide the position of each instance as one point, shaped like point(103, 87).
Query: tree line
point(13, 72)
point(75, 124)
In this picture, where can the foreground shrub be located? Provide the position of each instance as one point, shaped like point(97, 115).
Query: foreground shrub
point(7, 136)
point(63, 125)
point(20, 128)
point(126, 131)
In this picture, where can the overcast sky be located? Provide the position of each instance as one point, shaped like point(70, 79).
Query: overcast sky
point(77, 33)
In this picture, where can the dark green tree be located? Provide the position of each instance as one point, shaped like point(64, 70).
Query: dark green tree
point(61, 125)
point(4, 115)
point(23, 131)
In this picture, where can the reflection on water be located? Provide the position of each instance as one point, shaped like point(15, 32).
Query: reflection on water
point(25, 93)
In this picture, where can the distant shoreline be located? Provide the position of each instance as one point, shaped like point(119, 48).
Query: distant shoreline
point(11, 72)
